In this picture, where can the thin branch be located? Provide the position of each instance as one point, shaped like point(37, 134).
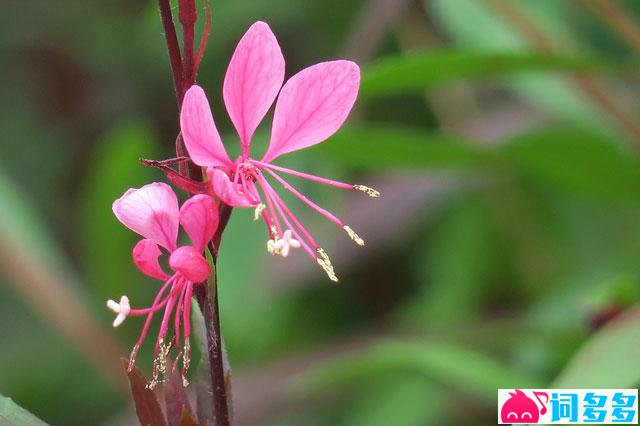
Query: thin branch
point(205, 35)
point(589, 86)
point(187, 16)
point(617, 18)
point(172, 47)
point(370, 27)
point(209, 306)
point(207, 297)
point(180, 149)
point(224, 215)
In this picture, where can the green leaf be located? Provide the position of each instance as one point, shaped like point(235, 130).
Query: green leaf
point(481, 29)
point(419, 71)
point(453, 365)
point(386, 146)
point(11, 414)
point(577, 162)
point(456, 265)
point(609, 359)
point(568, 160)
point(396, 400)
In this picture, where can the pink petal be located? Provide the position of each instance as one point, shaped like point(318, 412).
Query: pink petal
point(145, 255)
point(151, 211)
point(199, 130)
point(227, 192)
point(199, 219)
point(253, 79)
point(190, 263)
point(312, 105)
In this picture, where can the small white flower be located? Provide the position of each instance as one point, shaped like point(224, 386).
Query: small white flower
point(122, 309)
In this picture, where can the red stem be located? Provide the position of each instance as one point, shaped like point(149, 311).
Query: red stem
point(207, 297)
point(208, 302)
point(184, 70)
point(187, 16)
point(205, 35)
point(172, 47)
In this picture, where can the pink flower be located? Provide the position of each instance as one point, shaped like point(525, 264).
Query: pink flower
point(152, 211)
point(312, 105)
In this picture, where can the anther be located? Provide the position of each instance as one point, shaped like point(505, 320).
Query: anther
point(274, 233)
point(325, 263)
point(369, 191)
point(258, 211)
point(159, 364)
point(162, 356)
point(132, 357)
point(186, 360)
point(355, 237)
point(271, 247)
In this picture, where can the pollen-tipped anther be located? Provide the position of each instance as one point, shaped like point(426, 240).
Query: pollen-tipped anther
point(355, 237)
point(325, 263)
point(258, 211)
point(186, 360)
point(271, 247)
point(369, 191)
point(159, 364)
point(132, 357)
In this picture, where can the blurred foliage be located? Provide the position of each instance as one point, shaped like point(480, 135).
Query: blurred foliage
point(521, 269)
point(13, 414)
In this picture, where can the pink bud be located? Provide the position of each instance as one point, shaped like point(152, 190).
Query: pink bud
point(191, 264)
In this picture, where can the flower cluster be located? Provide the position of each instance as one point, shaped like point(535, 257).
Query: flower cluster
point(311, 106)
point(152, 211)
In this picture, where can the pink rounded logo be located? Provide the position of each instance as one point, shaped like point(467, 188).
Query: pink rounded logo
point(519, 408)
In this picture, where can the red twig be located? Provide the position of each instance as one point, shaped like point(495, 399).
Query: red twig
point(187, 16)
point(207, 297)
point(180, 153)
point(205, 35)
point(172, 47)
point(618, 18)
point(592, 88)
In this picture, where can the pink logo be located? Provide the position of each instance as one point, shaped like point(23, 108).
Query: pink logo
point(519, 408)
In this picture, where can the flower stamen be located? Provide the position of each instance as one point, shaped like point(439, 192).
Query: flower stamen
point(369, 191)
point(258, 211)
point(355, 237)
point(324, 262)
point(186, 360)
point(159, 364)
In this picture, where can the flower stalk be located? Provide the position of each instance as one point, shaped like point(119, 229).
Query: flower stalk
point(184, 69)
point(207, 298)
point(173, 47)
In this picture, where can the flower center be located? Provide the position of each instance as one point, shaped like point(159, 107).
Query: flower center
point(247, 171)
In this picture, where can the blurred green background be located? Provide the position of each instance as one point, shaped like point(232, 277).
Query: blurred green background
point(504, 252)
